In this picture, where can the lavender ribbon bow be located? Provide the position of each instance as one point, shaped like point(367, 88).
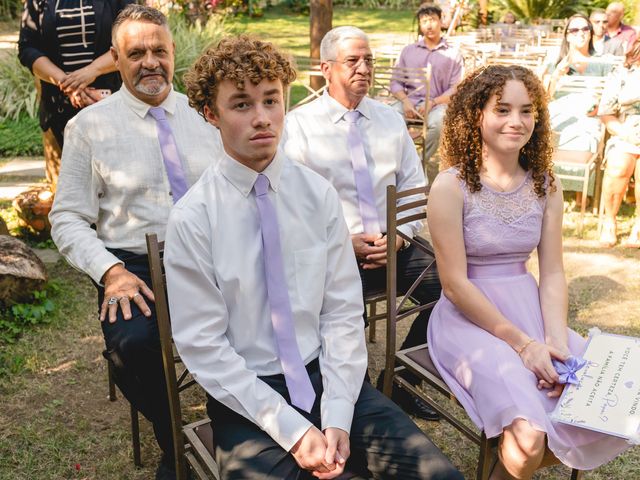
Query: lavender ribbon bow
point(567, 369)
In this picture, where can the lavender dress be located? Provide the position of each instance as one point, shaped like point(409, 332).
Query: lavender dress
point(485, 373)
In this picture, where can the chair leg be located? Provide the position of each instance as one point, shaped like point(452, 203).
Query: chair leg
point(112, 385)
point(373, 307)
point(484, 459)
point(135, 437)
point(583, 203)
point(576, 474)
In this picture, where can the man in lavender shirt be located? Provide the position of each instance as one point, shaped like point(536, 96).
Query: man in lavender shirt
point(446, 71)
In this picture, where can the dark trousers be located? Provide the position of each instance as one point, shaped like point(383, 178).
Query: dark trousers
point(133, 347)
point(411, 262)
point(384, 442)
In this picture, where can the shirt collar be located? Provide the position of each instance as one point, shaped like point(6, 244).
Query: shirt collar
point(243, 177)
point(442, 45)
point(141, 108)
point(336, 110)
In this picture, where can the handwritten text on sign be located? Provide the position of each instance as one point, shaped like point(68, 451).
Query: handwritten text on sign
point(608, 396)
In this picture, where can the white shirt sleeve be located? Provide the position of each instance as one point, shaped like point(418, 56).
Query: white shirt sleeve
point(343, 357)
point(200, 319)
point(76, 205)
point(410, 175)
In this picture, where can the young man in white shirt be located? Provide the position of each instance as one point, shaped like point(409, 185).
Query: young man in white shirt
point(122, 170)
point(318, 135)
point(265, 297)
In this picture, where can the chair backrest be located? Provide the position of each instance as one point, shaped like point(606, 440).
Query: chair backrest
point(402, 208)
point(581, 84)
point(383, 75)
point(175, 383)
point(302, 91)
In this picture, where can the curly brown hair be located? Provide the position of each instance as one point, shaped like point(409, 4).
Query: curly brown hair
point(461, 145)
point(237, 59)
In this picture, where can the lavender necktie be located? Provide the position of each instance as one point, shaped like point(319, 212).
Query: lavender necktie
point(361, 175)
point(170, 155)
point(295, 374)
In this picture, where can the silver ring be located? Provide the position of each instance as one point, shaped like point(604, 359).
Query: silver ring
point(112, 301)
point(137, 294)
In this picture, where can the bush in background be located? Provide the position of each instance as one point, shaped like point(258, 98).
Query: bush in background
point(191, 40)
point(17, 89)
point(21, 137)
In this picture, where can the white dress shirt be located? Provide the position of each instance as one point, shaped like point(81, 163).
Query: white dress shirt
point(220, 312)
point(113, 176)
point(316, 135)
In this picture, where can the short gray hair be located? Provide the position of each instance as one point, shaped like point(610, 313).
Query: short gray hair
point(137, 13)
point(333, 38)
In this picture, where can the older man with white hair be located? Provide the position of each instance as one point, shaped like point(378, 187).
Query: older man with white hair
point(361, 145)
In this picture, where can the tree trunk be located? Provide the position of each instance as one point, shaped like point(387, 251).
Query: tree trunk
point(483, 6)
point(320, 19)
point(21, 271)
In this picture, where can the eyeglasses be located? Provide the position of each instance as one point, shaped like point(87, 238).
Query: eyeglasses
point(353, 62)
point(573, 31)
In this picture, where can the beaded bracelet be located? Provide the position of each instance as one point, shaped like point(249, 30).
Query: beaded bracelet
point(521, 349)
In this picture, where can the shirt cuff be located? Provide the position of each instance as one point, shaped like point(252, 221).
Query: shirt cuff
point(407, 230)
point(101, 264)
point(287, 427)
point(337, 413)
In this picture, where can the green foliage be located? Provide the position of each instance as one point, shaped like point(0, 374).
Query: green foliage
point(18, 94)
point(10, 8)
point(21, 137)
point(528, 10)
point(191, 40)
point(17, 318)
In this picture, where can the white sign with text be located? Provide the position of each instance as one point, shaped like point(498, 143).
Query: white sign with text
point(607, 398)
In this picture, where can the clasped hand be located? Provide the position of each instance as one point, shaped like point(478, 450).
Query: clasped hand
point(371, 249)
point(323, 454)
point(537, 358)
point(125, 287)
point(75, 85)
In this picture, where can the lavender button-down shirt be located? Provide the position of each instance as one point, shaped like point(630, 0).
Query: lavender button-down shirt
point(446, 69)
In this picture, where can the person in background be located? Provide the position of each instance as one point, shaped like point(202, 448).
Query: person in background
point(509, 18)
point(603, 44)
point(494, 332)
point(616, 29)
point(620, 111)
point(361, 145)
point(266, 304)
point(576, 55)
point(65, 44)
point(446, 71)
point(126, 161)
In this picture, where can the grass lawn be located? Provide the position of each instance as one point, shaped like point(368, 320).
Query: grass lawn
point(291, 31)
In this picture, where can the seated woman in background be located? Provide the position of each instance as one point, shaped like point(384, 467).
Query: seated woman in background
point(620, 112)
point(577, 55)
point(494, 332)
point(572, 115)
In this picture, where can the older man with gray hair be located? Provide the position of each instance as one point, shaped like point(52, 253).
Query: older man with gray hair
point(361, 145)
point(126, 161)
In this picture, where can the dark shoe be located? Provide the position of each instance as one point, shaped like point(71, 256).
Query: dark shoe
point(418, 408)
point(167, 471)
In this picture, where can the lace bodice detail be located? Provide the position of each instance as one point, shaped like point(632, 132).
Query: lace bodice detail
point(501, 227)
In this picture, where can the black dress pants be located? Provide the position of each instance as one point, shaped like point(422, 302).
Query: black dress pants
point(411, 262)
point(384, 442)
point(133, 347)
